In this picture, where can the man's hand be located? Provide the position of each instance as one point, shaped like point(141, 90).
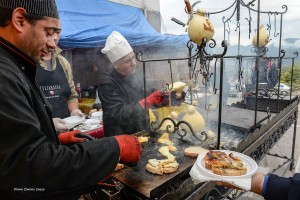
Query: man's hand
point(70, 137)
point(157, 99)
point(60, 125)
point(130, 148)
point(76, 112)
point(257, 183)
point(176, 99)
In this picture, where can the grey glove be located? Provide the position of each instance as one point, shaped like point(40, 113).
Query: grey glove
point(76, 112)
point(60, 125)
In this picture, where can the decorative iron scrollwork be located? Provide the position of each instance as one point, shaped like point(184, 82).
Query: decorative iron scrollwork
point(179, 131)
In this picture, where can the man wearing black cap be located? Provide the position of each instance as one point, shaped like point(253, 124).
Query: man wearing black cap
point(33, 162)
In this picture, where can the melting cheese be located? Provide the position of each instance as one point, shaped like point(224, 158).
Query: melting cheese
point(164, 139)
point(165, 152)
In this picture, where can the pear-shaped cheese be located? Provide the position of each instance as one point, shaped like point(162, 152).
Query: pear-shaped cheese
point(173, 115)
point(151, 116)
point(263, 37)
point(177, 87)
point(195, 119)
point(200, 27)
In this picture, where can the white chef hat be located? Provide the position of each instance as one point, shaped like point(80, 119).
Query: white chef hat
point(116, 47)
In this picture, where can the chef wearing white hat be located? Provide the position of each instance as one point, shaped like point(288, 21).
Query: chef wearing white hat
point(116, 47)
point(122, 94)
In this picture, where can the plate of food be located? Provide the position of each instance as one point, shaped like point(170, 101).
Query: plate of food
point(226, 163)
point(73, 121)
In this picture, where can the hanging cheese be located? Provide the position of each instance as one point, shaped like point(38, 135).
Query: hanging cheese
point(173, 115)
point(263, 37)
point(177, 87)
point(151, 116)
point(195, 119)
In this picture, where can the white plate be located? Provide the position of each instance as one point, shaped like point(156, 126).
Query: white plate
point(73, 121)
point(249, 162)
point(97, 115)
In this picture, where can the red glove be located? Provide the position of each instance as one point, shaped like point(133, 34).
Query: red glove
point(157, 99)
point(70, 137)
point(130, 148)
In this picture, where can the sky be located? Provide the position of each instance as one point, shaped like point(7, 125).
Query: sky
point(291, 19)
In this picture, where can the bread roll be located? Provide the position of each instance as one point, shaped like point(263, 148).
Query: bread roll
point(161, 167)
point(168, 170)
point(224, 164)
point(154, 170)
point(194, 151)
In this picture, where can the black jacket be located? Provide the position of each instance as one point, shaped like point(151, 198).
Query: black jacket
point(33, 164)
point(280, 188)
point(120, 98)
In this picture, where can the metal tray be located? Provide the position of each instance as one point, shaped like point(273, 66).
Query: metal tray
point(146, 184)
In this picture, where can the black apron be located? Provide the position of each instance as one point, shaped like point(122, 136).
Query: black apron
point(55, 86)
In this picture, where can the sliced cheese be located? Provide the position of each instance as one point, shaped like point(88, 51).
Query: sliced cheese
point(163, 166)
point(164, 139)
point(172, 148)
point(171, 164)
point(164, 136)
point(154, 162)
point(143, 139)
point(165, 152)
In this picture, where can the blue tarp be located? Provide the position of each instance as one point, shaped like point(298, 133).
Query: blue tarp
point(87, 24)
